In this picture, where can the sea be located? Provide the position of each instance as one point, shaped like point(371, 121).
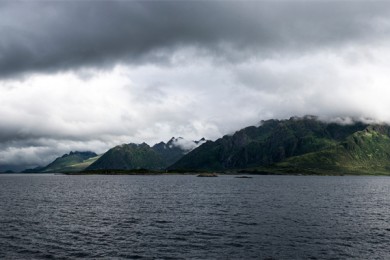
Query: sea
point(48, 216)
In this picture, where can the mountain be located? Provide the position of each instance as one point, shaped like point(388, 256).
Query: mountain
point(365, 152)
point(296, 145)
point(142, 156)
point(129, 156)
point(72, 162)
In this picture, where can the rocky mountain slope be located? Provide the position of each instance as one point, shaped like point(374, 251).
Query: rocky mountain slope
point(296, 145)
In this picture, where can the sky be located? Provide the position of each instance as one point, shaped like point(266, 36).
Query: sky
point(89, 75)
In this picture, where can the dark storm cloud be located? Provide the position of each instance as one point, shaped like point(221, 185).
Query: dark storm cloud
point(45, 36)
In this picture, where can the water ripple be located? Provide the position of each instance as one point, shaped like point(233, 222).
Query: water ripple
point(184, 217)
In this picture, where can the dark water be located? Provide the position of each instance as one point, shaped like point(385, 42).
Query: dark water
point(185, 217)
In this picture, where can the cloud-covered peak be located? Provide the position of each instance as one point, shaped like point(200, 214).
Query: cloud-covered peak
point(184, 144)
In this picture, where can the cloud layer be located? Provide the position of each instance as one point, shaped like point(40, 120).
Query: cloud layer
point(43, 36)
point(91, 75)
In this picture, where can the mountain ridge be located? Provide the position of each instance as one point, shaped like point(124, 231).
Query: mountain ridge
point(271, 142)
point(299, 145)
point(72, 162)
point(142, 156)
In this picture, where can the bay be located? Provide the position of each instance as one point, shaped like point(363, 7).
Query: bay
point(185, 217)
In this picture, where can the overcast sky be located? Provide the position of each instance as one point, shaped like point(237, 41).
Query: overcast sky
point(89, 75)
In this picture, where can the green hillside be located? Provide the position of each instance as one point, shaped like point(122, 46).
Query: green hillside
point(72, 162)
point(365, 152)
point(272, 142)
point(129, 156)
